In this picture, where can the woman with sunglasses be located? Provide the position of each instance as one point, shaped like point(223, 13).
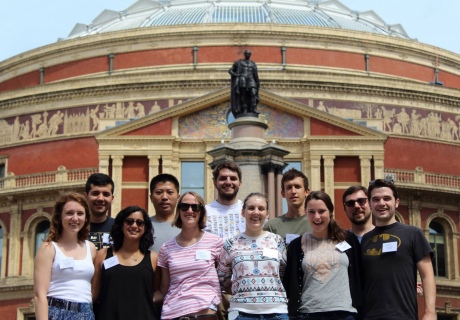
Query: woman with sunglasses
point(323, 272)
point(125, 279)
point(63, 266)
point(253, 262)
point(189, 282)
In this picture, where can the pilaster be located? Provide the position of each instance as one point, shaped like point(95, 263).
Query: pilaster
point(117, 177)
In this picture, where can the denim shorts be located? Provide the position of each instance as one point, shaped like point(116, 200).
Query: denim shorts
point(86, 313)
point(272, 316)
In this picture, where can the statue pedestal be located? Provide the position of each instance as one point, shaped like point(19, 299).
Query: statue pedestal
point(261, 163)
point(248, 132)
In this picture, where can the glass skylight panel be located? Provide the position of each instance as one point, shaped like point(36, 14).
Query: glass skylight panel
point(288, 16)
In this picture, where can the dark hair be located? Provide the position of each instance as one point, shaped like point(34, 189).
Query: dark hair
point(56, 218)
point(230, 165)
point(291, 174)
point(201, 221)
point(334, 231)
point(353, 189)
point(255, 194)
point(99, 180)
point(383, 183)
point(163, 177)
point(117, 235)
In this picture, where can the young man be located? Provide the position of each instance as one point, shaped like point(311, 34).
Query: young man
point(99, 190)
point(294, 188)
point(392, 254)
point(224, 213)
point(356, 204)
point(164, 193)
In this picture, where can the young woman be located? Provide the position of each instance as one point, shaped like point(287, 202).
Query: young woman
point(255, 261)
point(189, 282)
point(124, 281)
point(63, 266)
point(323, 278)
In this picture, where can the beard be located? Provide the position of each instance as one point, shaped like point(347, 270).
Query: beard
point(361, 222)
point(228, 196)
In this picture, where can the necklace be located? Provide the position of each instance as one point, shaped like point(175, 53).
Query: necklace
point(133, 256)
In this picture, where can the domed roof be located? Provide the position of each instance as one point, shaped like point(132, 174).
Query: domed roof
point(320, 13)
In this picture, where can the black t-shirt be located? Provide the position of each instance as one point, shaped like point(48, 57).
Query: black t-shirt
point(99, 233)
point(390, 257)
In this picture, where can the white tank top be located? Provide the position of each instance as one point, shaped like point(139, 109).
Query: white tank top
point(70, 278)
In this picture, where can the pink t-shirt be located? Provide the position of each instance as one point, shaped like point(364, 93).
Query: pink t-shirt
point(194, 284)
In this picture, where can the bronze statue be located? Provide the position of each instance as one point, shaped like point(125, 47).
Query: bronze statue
point(244, 87)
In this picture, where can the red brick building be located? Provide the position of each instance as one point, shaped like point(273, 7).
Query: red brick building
point(147, 90)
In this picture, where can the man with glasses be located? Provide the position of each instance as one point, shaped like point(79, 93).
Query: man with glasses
point(392, 255)
point(164, 194)
point(356, 204)
point(99, 190)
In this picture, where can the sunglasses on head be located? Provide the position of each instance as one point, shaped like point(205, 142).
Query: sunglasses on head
point(381, 182)
point(351, 203)
point(184, 206)
point(130, 222)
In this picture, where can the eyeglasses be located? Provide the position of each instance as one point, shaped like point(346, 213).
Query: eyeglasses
point(381, 182)
point(184, 206)
point(130, 222)
point(351, 203)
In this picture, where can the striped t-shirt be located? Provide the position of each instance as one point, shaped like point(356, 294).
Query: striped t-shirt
point(194, 285)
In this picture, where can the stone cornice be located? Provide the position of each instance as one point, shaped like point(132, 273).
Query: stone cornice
point(218, 34)
point(293, 82)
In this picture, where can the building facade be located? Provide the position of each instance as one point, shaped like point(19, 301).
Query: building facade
point(147, 91)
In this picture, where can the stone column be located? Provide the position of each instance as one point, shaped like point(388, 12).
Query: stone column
point(365, 170)
point(415, 218)
point(379, 172)
point(14, 239)
point(279, 197)
point(315, 179)
point(153, 171)
point(117, 166)
point(104, 164)
point(329, 176)
point(271, 192)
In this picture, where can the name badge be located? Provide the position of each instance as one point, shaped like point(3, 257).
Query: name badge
point(270, 253)
point(105, 237)
point(111, 262)
point(203, 255)
point(290, 237)
point(343, 246)
point(390, 247)
point(242, 226)
point(67, 263)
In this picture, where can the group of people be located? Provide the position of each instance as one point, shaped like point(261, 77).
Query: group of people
point(226, 260)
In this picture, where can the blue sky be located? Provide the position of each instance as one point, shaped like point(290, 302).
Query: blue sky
point(29, 24)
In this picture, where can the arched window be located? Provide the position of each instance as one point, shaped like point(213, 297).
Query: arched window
point(437, 242)
point(41, 232)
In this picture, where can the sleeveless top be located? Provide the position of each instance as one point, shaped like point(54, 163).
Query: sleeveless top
point(126, 291)
point(71, 278)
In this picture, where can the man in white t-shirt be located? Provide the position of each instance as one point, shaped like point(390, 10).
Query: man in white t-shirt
point(224, 214)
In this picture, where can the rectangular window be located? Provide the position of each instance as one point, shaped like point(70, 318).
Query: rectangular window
point(192, 177)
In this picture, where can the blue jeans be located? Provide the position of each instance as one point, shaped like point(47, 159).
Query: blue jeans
point(55, 313)
point(332, 315)
point(271, 316)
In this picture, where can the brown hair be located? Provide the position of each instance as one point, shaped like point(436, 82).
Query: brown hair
point(202, 221)
point(56, 218)
point(333, 229)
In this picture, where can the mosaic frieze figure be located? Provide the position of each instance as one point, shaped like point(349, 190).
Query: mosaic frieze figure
point(244, 87)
